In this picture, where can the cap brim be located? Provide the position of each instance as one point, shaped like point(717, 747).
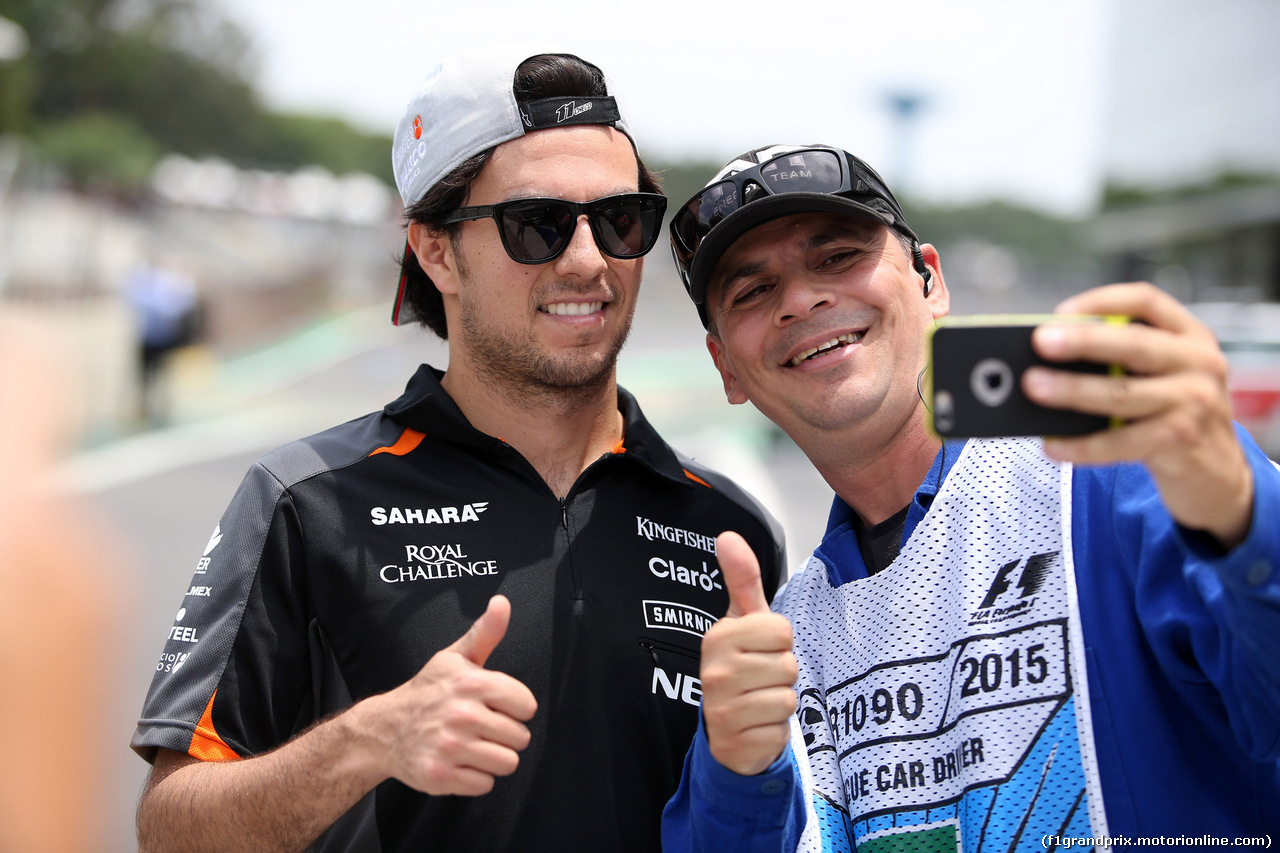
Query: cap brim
point(759, 212)
point(401, 312)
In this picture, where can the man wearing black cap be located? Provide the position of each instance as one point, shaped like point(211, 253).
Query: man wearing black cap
point(470, 621)
point(1000, 644)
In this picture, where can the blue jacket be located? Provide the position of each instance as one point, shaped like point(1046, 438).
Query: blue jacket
point(1183, 670)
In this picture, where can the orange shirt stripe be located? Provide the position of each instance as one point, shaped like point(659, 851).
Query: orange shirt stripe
point(206, 745)
point(696, 478)
point(409, 439)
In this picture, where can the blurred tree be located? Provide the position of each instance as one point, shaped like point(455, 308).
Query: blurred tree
point(1049, 241)
point(682, 180)
point(296, 140)
point(175, 72)
point(134, 56)
point(1117, 196)
point(15, 75)
point(100, 149)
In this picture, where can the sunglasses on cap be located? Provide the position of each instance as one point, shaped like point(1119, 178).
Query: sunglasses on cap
point(822, 170)
point(537, 230)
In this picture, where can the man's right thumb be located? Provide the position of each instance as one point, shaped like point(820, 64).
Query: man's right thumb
point(741, 572)
point(486, 632)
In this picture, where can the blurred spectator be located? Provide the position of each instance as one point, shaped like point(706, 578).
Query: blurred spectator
point(59, 606)
point(168, 314)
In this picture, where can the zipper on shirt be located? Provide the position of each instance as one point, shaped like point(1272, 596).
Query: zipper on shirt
point(648, 647)
point(579, 602)
point(653, 647)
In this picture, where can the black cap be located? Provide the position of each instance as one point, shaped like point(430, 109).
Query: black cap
point(862, 193)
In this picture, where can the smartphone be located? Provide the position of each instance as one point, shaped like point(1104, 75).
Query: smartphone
point(976, 365)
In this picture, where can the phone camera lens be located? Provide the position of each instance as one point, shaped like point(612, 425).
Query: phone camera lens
point(991, 382)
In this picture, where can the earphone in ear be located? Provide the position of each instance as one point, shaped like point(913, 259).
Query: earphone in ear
point(917, 259)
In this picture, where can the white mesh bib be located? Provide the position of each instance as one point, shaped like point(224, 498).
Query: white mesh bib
point(943, 701)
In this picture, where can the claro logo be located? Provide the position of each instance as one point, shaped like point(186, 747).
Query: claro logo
point(381, 515)
point(706, 578)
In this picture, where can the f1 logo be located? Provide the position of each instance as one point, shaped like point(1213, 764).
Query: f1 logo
point(1032, 578)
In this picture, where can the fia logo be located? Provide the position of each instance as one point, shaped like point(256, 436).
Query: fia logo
point(1000, 603)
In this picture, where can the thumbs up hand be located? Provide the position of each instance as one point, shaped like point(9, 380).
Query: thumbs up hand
point(748, 671)
point(455, 726)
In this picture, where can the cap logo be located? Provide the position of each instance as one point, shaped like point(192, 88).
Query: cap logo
point(557, 112)
point(570, 110)
point(776, 175)
point(417, 127)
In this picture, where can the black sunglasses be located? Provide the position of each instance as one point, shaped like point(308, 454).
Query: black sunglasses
point(812, 170)
point(537, 230)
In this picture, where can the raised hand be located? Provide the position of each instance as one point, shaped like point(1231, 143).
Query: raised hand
point(1173, 398)
point(748, 671)
point(456, 725)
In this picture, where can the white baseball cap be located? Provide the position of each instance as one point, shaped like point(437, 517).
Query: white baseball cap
point(466, 106)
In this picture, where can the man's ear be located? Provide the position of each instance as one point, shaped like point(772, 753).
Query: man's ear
point(733, 390)
point(434, 251)
point(939, 297)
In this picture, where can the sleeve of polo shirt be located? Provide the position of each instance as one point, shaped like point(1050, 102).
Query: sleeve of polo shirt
point(234, 677)
point(715, 809)
point(1211, 617)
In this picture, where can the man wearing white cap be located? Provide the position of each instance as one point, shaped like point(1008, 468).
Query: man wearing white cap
point(471, 620)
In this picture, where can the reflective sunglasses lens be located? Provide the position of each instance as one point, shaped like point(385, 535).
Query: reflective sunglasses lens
point(684, 226)
point(803, 172)
point(625, 226)
point(704, 212)
point(536, 230)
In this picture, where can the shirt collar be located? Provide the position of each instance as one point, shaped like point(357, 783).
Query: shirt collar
point(426, 407)
point(839, 549)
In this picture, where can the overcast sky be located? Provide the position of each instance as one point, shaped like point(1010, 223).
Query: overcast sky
point(1012, 88)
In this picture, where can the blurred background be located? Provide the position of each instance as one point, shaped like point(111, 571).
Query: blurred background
point(208, 182)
